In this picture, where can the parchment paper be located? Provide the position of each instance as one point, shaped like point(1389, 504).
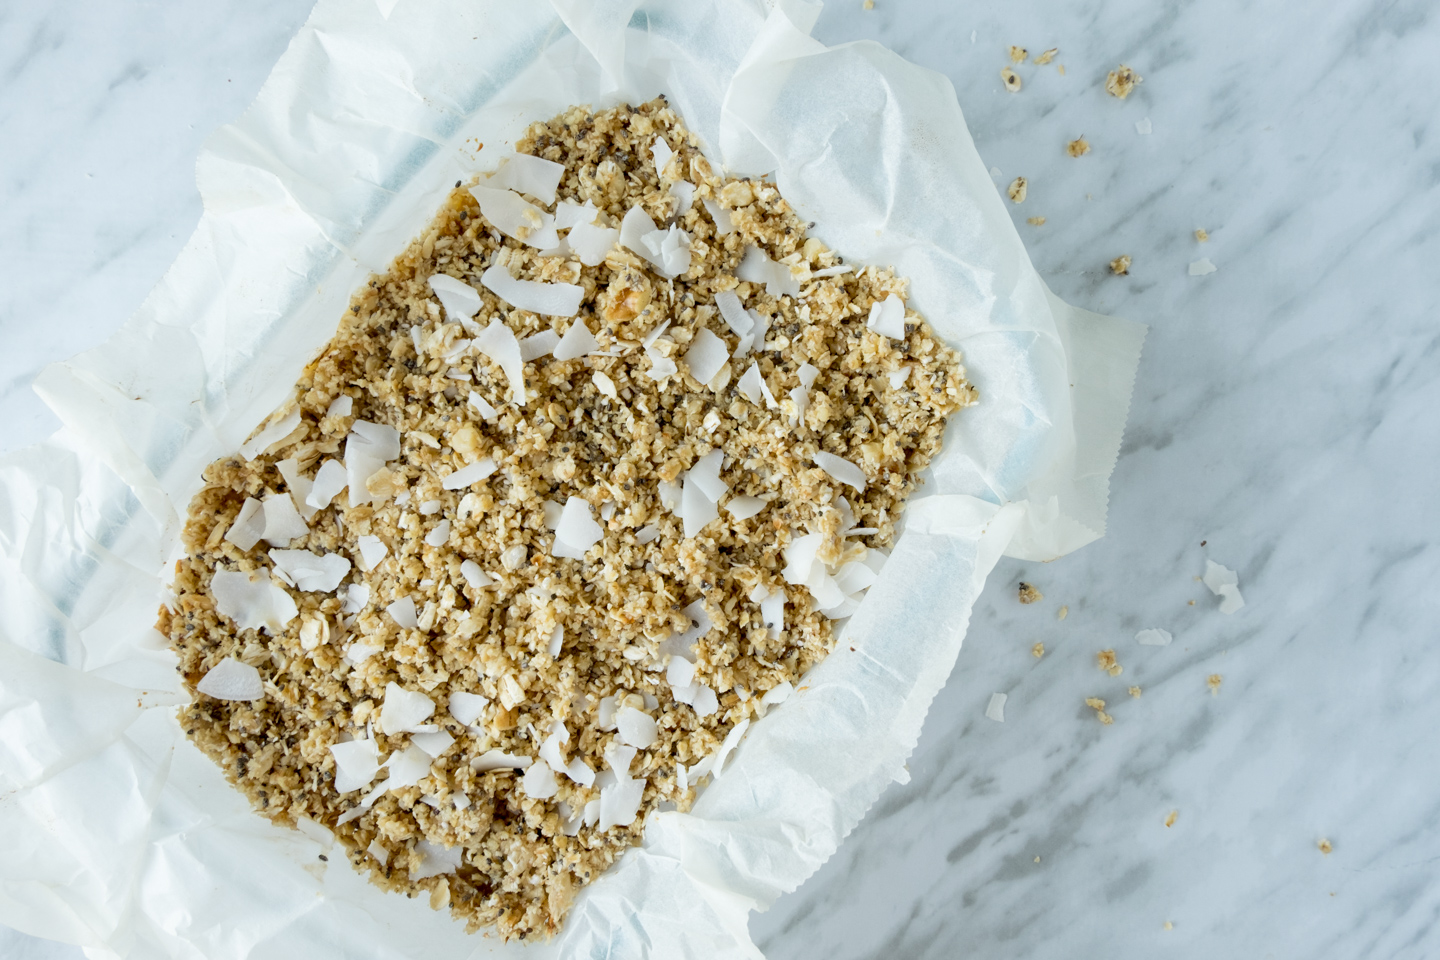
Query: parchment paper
point(117, 834)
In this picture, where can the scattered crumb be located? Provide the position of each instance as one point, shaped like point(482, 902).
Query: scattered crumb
point(1018, 54)
point(869, 4)
point(1325, 848)
point(1036, 221)
point(1213, 682)
point(1060, 67)
point(1012, 80)
point(1135, 692)
point(1017, 190)
point(1202, 236)
point(995, 709)
point(1046, 57)
point(1106, 660)
point(1078, 147)
point(1169, 925)
point(1121, 81)
point(1143, 127)
point(1037, 860)
point(1201, 267)
point(1062, 613)
point(1037, 651)
point(1098, 705)
point(1207, 236)
point(1104, 717)
point(1028, 593)
point(1170, 820)
point(1120, 266)
point(1192, 603)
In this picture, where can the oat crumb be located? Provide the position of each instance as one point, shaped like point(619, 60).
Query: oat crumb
point(1017, 190)
point(1213, 682)
point(1104, 717)
point(1028, 593)
point(1044, 58)
point(1078, 147)
point(869, 4)
point(1037, 651)
point(1107, 662)
point(1325, 846)
point(1095, 703)
point(1060, 67)
point(1036, 221)
point(1121, 81)
point(1135, 692)
point(1120, 266)
point(1169, 925)
point(1037, 859)
point(1170, 820)
point(1202, 236)
point(1192, 603)
point(1062, 613)
point(1012, 80)
point(1018, 54)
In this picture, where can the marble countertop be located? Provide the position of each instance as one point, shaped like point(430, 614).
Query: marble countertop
point(1283, 425)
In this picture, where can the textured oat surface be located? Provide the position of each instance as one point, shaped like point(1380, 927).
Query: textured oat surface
point(618, 605)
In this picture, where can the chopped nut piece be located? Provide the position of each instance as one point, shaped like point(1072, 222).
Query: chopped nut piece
point(1017, 190)
point(1011, 79)
point(1018, 54)
point(1121, 81)
point(1028, 593)
point(1201, 236)
point(1170, 820)
point(1078, 147)
point(1325, 846)
point(1135, 692)
point(1106, 660)
point(1035, 221)
point(1120, 265)
point(1046, 57)
point(1037, 651)
point(1213, 682)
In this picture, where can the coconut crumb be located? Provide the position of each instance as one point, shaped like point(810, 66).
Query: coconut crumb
point(1035, 221)
point(1107, 662)
point(1213, 682)
point(1325, 846)
point(1062, 613)
point(1060, 67)
point(1028, 593)
point(1135, 692)
point(1098, 705)
point(1202, 235)
point(1170, 820)
point(1011, 80)
point(1046, 57)
point(1018, 54)
point(1017, 190)
point(1120, 266)
point(1078, 147)
point(1121, 81)
point(1169, 925)
point(1037, 651)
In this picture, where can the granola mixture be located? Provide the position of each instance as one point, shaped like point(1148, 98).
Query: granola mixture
point(457, 596)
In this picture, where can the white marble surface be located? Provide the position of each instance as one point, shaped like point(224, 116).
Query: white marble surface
point(1283, 415)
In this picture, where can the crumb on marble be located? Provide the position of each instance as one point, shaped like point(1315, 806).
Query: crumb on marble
point(1037, 859)
point(1078, 147)
point(1213, 682)
point(1192, 603)
point(1017, 189)
point(1120, 266)
point(1018, 54)
point(1170, 820)
point(1107, 662)
point(1169, 925)
point(1035, 221)
point(1046, 57)
point(1325, 846)
point(1121, 81)
point(1202, 236)
point(869, 4)
point(1061, 68)
point(1011, 79)
point(1028, 593)
point(1037, 651)
point(1098, 705)
point(1135, 692)
point(1062, 613)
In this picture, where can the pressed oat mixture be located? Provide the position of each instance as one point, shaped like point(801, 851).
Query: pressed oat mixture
point(469, 611)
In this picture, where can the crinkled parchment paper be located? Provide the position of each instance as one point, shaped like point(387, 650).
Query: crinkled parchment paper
point(117, 834)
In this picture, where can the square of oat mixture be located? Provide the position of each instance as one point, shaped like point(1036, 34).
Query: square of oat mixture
point(574, 495)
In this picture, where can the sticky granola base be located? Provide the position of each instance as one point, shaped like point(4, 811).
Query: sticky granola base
point(617, 605)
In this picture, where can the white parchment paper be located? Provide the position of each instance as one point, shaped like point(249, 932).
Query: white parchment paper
point(117, 834)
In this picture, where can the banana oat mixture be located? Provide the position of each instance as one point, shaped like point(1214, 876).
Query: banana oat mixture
point(573, 496)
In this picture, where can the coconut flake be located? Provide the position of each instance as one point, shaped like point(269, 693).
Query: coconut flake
point(898, 378)
point(636, 226)
point(684, 193)
point(408, 768)
point(553, 509)
point(707, 354)
point(706, 474)
point(661, 153)
point(680, 672)
point(778, 694)
point(433, 742)
point(854, 577)
point(341, 406)
point(1143, 127)
point(569, 214)
point(636, 727)
point(499, 344)
point(675, 252)
point(581, 772)
point(732, 740)
point(512, 558)
point(356, 596)
point(995, 709)
point(1154, 637)
point(670, 495)
point(356, 764)
point(487, 412)
point(435, 860)
point(887, 317)
point(723, 223)
point(661, 367)
point(525, 173)
point(757, 267)
point(467, 707)
point(460, 300)
point(734, 312)
point(329, 481)
point(577, 531)
point(539, 781)
point(299, 486)
point(402, 611)
point(605, 385)
point(772, 612)
point(537, 346)
point(577, 342)
point(252, 600)
point(800, 557)
point(245, 532)
point(513, 216)
point(358, 652)
point(557, 641)
point(271, 435)
point(372, 551)
point(439, 535)
point(551, 299)
point(620, 802)
point(705, 703)
point(469, 475)
point(696, 507)
point(404, 711)
point(499, 760)
point(1201, 267)
point(647, 534)
point(1224, 583)
point(311, 572)
point(743, 508)
point(474, 576)
point(752, 384)
point(283, 522)
point(605, 713)
point(834, 271)
point(232, 680)
point(368, 447)
point(841, 470)
point(592, 243)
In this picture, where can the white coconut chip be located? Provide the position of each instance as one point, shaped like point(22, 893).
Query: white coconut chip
point(469, 475)
point(707, 354)
point(743, 507)
point(841, 470)
point(605, 712)
point(271, 435)
point(356, 764)
point(467, 707)
point(553, 509)
point(752, 387)
point(684, 193)
point(381, 855)
point(887, 317)
point(537, 296)
point(569, 214)
point(512, 558)
point(252, 600)
point(329, 481)
point(550, 750)
point(592, 242)
point(405, 711)
point(431, 507)
point(402, 611)
point(724, 225)
point(368, 447)
point(680, 672)
point(525, 173)
point(341, 406)
point(499, 344)
point(778, 694)
point(1201, 267)
point(372, 551)
point(697, 510)
point(536, 346)
point(1154, 637)
point(995, 709)
point(1225, 584)
point(355, 596)
point(854, 577)
point(311, 572)
point(539, 781)
point(706, 473)
point(499, 760)
point(358, 652)
point(474, 576)
point(661, 153)
point(439, 535)
point(577, 531)
point(647, 534)
point(605, 385)
point(248, 526)
point(834, 271)
point(299, 486)
point(633, 229)
point(577, 342)
point(732, 740)
point(734, 312)
point(232, 680)
point(513, 216)
point(757, 267)
point(283, 522)
point(636, 727)
point(898, 378)
point(436, 860)
point(487, 412)
point(674, 250)
point(799, 556)
point(460, 300)
point(706, 703)
point(1143, 127)
point(434, 742)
